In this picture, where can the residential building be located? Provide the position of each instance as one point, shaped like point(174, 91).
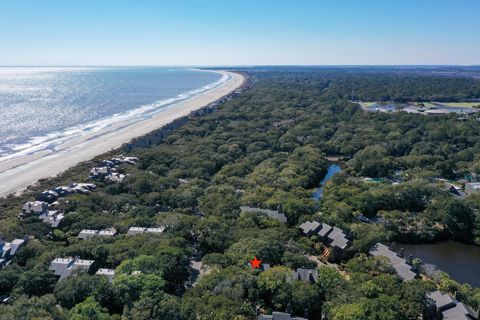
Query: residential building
point(403, 269)
point(66, 267)
point(279, 316)
point(35, 208)
point(109, 273)
point(443, 306)
point(305, 275)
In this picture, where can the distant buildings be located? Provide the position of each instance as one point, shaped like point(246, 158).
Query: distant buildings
point(279, 316)
point(87, 233)
point(443, 306)
point(402, 268)
point(270, 213)
point(138, 230)
point(66, 267)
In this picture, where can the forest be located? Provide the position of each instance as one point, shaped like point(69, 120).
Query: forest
point(268, 147)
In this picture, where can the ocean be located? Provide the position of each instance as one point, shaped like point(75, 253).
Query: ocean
point(42, 107)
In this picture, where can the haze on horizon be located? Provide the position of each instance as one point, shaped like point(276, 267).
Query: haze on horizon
point(247, 32)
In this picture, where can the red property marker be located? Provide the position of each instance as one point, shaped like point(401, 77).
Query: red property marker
point(255, 263)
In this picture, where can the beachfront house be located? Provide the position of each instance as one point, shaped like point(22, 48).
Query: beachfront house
point(443, 306)
point(63, 191)
point(99, 173)
point(34, 208)
point(402, 268)
point(109, 273)
point(48, 196)
point(115, 177)
point(279, 316)
point(66, 267)
point(82, 188)
point(273, 214)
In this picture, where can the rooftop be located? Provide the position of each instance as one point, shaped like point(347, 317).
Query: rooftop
point(400, 265)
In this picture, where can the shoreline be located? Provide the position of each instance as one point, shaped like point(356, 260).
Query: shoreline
point(19, 173)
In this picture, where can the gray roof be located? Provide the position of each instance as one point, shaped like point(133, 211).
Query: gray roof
point(35, 207)
point(338, 237)
point(65, 267)
point(400, 265)
point(309, 227)
point(306, 275)
point(107, 232)
point(324, 230)
point(15, 245)
point(442, 301)
point(460, 312)
point(279, 316)
point(270, 213)
point(136, 230)
point(87, 234)
point(109, 273)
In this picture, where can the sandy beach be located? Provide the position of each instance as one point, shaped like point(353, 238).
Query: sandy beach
point(19, 173)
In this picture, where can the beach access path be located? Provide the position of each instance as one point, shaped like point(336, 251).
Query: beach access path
point(18, 173)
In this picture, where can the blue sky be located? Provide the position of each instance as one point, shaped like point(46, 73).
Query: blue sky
point(239, 32)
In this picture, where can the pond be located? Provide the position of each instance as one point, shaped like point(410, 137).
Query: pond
point(334, 168)
point(460, 261)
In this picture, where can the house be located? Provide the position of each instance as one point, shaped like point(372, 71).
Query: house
point(135, 230)
point(66, 267)
point(460, 312)
point(115, 177)
point(273, 214)
point(82, 188)
point(333, 237)
point(472, 187)
point(155, 230)
point(279, 316)
point(107, 232)
point(305, 275)
point(8, 249)
point(310, 227)
point(53, 218)
point(63, 191)
point(138, 230)
point(99, 173)
point(453, 190)
point(403, 269)
point(109, 273)
point(48, 196)
point(87, 234)
point(35, 208)
point(324, 230)
point(443, 306)
point(338, 238)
